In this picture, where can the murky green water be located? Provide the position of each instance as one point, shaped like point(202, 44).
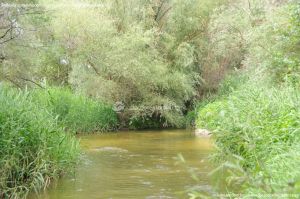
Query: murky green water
point(136, 165)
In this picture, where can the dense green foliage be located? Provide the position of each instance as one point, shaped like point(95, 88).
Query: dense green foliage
point(144, 54)
point(260, 124)
point(255, 118)
point(34, 149)
point(154, 56)
point(76, 112)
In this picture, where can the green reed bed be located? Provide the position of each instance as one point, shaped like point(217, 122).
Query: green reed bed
point(257, 132)
point(77, 112)
point(34, 148)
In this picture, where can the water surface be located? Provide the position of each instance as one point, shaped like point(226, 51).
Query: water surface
point(135, 165)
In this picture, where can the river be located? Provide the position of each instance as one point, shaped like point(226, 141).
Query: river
point(136, 164)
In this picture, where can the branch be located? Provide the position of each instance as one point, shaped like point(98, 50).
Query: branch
point(9, 39)
point(94, 67)
point(97, 72)
point(12, 81)
point(29, 80)
point(6, 32)
point(164, 13)
point(159, 9)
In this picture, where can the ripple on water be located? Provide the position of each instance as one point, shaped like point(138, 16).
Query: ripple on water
point(159, 197)
point(109, 149)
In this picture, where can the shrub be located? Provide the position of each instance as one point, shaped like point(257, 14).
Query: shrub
point(34, 149)
point(258, 123)
point(190, 119)
point(146, 122)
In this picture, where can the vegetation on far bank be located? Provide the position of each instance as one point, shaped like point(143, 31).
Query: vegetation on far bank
point(143, 54)
point(76, 112)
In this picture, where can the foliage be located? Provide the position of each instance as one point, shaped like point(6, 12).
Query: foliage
point(259, 124)
point(34, 149)
point(145, 53)
point(76, 112)
point(255, 119)
point(30, 55)
point(190, 119)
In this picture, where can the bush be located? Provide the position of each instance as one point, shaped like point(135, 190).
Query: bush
point(259, 124)
point(190, 119)
point(76, 112)
point(146, 122)
point(34, 149)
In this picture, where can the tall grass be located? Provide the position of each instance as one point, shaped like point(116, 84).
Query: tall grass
point(256, 121)
point(34, 149)
point(258, 125)
point(77, 112)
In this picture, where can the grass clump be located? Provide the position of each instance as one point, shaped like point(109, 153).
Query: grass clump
point(259, 124)
point(34, 149)
point(77, 112)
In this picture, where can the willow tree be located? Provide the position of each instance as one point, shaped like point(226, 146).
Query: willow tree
point(28, 52)
point(146, 54)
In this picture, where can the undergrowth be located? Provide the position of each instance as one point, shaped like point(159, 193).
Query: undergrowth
point(77, 112)
point(34, 148)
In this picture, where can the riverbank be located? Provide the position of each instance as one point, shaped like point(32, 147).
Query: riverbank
point(255, 115)
point(35, 149)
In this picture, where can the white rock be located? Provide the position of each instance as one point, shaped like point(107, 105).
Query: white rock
point(202, 133)
point(63, 62)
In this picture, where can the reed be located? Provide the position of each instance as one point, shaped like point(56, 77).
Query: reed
point(34, 148)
